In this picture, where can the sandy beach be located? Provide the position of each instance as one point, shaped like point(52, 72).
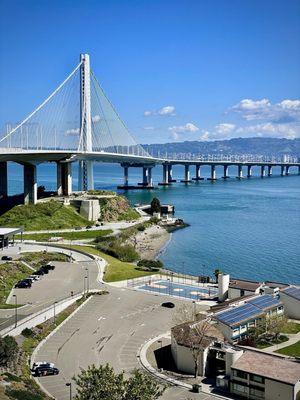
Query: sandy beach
point(150, 242)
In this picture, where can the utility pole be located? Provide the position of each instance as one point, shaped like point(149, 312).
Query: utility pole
point(85, 171)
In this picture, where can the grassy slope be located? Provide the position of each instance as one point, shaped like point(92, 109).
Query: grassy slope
point(291, 327)
point(37, 259)
point(292, 350)
point(10, 273)
point(50, 215)
point(116, 270)
point(67, 235)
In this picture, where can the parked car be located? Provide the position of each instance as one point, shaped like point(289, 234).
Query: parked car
point(45, 370)
point(35, 277)
point(50, 266)
point(39, 272)
point(6, 258)
point(38, 364)
point(168, 304)
point(44, 269)
point(23, 284)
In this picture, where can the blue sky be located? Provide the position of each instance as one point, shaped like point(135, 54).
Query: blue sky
point(175, 70)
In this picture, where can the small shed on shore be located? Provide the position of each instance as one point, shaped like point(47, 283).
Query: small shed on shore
point(8, 234)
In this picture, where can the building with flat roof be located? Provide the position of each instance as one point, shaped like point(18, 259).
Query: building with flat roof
point(257, 375)
point(238, 318)
point(240, 287)
point(290, 297)
point(7, 234)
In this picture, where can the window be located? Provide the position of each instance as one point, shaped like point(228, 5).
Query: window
point(239, 388)
point(257, 378)
point(257, 392)
point(240, 374)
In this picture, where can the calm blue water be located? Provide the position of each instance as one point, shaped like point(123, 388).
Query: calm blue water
point(249, 228)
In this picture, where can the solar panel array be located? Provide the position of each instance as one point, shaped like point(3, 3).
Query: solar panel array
point(264, 302)
point(293, 291)
point(238, 314)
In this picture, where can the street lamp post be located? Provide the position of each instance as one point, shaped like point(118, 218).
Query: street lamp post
point(16, 310)
point(54, 315)
point(69, 384)
point(88, 280)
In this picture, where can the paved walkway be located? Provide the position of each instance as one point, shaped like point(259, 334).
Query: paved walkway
point(293, 338)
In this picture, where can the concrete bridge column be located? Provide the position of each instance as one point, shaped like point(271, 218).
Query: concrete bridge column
point(212, 173)
point(186, 174)
point(126, 180)
point(225, 176)
point(64, 179)
point(287, 170)
point(165, 181)
point(249, 172)
point(269, 170)
point(85, 175)
point(282, 170)
point(299, 170)
point(145, 176)
point(240, 172)
point(150, 181)
point(30, 184)
point(3, 179)
point(170, 173)
point(198, 173)
point(263, 171)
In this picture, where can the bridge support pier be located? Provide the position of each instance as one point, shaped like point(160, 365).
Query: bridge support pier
point(170, 174)
point(287, 170)
point(85, 175)
point(225, 176)
point(30, 184)
point(282, 170)
point(212, 173)
point(186, 174)
point(197, 175)
point(3, 179)
point(262, 171)
point(269, 170)
point(240, 172)
point(64, 179)
point(126, 176)
point(165, 180)
point(299, 170)
point(249, 171)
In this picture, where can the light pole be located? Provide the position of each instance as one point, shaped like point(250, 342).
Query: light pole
point(16, 310)
point(69, 384)
point(194, 303)
point(54, 315)
point(88, 280)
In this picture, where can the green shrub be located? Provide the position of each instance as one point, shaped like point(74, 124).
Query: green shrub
point(27, 332)
point(150, 265)
point(22, 395)
point(8, 350)
point(8, 377)
point(125, 253)
point(141, 228)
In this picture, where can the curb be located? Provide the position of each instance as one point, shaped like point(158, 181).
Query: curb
point(33, 355)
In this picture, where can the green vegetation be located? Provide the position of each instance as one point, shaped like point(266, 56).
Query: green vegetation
point(293, 350)
point(10, 273)
point(150, 265)
point(262, 344)
point(8, 350)
point(116, 270)
point(20, 394)
point(291, 328)
point(117, 209)
point(77, 235)
point(125, 253)
point(37, 259)
point(155, 205)
point(101, 193)
point(103, 383)
point(48, 215)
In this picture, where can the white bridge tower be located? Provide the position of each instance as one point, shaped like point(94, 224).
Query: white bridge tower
point(85, 171)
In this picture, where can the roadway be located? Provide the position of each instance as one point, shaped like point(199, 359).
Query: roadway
point(107, 329)
point(54, 286)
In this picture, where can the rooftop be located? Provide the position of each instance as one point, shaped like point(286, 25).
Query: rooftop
point(200, 333)
point(5, 232)
point(269, 366)
point(250, 286)
point(292, 291)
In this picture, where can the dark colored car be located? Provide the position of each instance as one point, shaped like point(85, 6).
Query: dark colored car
point(39, 272)
point(168, 304)
point(44, 269)
point(6, 258)
point(23, 285)
point(50, 267)
point(45, 370)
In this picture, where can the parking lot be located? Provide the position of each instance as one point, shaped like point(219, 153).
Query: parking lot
point(109, 328)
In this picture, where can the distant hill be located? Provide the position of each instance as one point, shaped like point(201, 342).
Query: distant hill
point(255, 146)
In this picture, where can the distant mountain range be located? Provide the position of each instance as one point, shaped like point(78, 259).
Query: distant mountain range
point(271, 147)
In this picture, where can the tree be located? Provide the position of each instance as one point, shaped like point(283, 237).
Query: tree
point(142, 387)
point(8, 350)
point(150, 265)
point(155, 205)
point(103, 383)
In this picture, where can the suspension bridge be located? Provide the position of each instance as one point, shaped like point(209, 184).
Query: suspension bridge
point(78, 123)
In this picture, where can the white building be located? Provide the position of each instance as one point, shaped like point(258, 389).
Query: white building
point(290, 298)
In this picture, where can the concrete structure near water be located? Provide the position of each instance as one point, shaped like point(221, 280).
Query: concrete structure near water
point(6, 234)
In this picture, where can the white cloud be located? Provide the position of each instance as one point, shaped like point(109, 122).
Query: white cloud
point(288, 131)
point(72, 132)
point(189, 127)
point(224, 128)
point(285, 111)
point(167, 110)
point(149, 128)
point(164, 111)
point(96, 118)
